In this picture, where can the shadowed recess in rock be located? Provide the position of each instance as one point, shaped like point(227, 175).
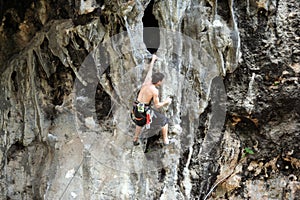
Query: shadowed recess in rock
point(149, 20)
point(20, 8)
point(103, 103)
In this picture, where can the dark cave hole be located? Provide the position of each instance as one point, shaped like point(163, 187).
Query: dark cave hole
point(223, 10)
point(62, 12)
point(21, 8)
point(151, 36)
point(61, 82)
point(286, 167)
point(44, 46)
point(14, 80)
point(14, 149)
point(100, 2)
point(152, 143)
point(103, 103)
point(162, 174)
point(103, 19)
point(10, 24)
point(207, 4)
point(79, 41)
point(81, 19)
point(79, 53)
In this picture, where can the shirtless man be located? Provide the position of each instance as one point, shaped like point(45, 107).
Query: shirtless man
point(148, 93)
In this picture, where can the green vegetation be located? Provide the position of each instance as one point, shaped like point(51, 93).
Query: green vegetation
point(247, 151)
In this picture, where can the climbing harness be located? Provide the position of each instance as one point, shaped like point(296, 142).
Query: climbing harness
point(141, 114)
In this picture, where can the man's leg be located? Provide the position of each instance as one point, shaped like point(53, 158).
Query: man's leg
point(160, 120)
point(164, 131)
point(137, 133)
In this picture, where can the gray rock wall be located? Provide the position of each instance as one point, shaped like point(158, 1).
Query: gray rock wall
point(69, 74)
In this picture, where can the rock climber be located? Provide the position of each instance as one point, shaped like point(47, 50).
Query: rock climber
point(142, 105)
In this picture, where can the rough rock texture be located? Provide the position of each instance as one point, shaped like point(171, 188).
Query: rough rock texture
point(70, 71)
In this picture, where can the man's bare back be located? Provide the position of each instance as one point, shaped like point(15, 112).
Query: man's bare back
point(146, 93)
point(149, 92)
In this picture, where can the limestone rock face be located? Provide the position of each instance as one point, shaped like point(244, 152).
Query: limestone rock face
point(70, 72)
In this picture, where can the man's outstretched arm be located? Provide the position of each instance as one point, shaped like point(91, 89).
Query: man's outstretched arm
point(159, 104)
point(148, 78)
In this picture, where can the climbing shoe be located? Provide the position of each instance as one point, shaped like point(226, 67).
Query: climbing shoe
point(136, 143)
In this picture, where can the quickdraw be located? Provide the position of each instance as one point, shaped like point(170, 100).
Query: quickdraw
point(148, 119)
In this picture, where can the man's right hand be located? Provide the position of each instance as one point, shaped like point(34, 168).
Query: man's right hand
point(154, 58)
point(168, 101)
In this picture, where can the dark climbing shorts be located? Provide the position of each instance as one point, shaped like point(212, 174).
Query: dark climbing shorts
point(158, 120)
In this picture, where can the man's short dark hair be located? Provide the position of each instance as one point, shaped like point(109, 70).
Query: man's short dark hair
point(156, 77)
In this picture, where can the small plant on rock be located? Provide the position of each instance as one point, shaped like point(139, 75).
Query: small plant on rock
point(247, 151)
